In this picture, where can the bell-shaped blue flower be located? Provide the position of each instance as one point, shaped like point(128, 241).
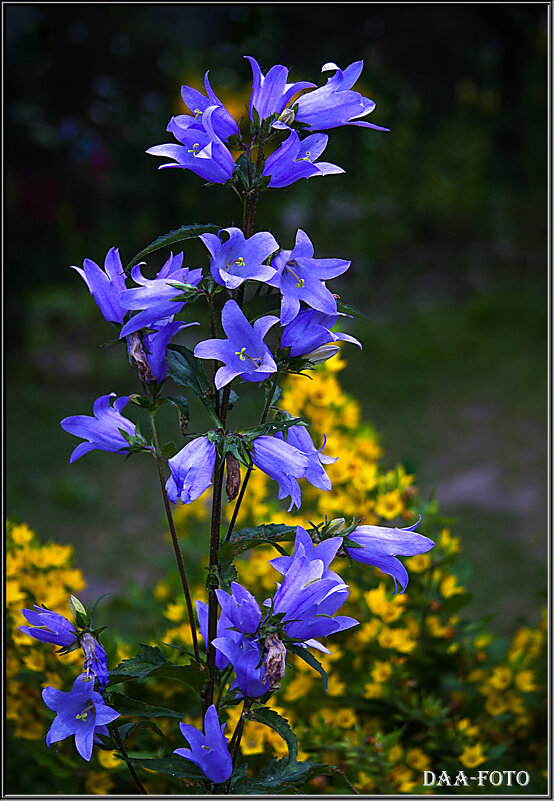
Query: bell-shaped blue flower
point(191, 471)
point(246, 658)
point(102, 431)
point(271, 92)
point(310, 330)
point(155, 344)
point(300, 278)
point(237, 259)
point(295, 159)
point(209, 750)
point(223, 630)
point(48, 626)
point(95, 659)
point(299, 438)
point(380, 545)
point(323, 552)
point(222, 122)
point(244, 352)
point(201, 151)
point(105, 285)
point(283, 463)
point(335, 104)
point(81, 712)
point(240, 607)
point(155, 297)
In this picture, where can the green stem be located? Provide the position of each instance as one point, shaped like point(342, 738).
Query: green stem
point(234, 745)
point(214, 334)
point(175, 541)
point(140, 787)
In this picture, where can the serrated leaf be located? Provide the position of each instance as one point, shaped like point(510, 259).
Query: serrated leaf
point(184, 368)
point(181, 404)
point(175, 765)
point(304, 654)
point(247, 538)
point(179, 235)
point(279, 724)
point(133, 708)
point(280, 775)
point(193, 676)
point(140, 666)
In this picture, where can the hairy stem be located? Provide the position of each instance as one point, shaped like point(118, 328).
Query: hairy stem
point(175, 541)
point(140, 787)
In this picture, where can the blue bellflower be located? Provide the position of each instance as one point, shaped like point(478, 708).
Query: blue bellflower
point(246, 658)
point(244, 352)
point(271, 92)
point(240, 607)
point(310, 330)
point(311, 593)
point(299, 438)
point(295, 159)
point(191, 471)
point(333, 105)
point(223, 630)
point(283, 463)
point(105, 285)
point(155, 297)
point(155, 344)
point(101, 431)
point(380, 545)
point(238, 259)
point(201, 151)
point(300, 278)
point(80, 712)
point(50, 627)
point(209, 750)
point(95, 659)
point(222, 122)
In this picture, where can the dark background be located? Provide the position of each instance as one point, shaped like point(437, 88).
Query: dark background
point(444, 218)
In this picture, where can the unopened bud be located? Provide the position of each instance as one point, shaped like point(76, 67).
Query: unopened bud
point(274, 660)
point(287, 116)
point(335, 526)
point(76, 606)
point(233, 476)
point(322, 354)
point(138, 354)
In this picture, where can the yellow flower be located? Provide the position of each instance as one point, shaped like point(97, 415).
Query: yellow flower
point(53, 680)
point(253, 738)
point(448, 543)
point(450, 587)
point(403, 778)
point(395, 753)
point(35, 660)
point(418, 759)
point(365, 782)
point(162, 591)
point(465, 728)
point(21, 535)
point(175, 612)
point(419, 563)
point(381, 671)
point(524, 681)
point(335, 686)
point(389, 609)
point(472, 755)
point(109, 760)
point(14, 594)
point(500, 677)
point(299, 686)
point(389, 505)
point(98, 783)
point(346, 718)
point(373, 689)
point(482, 640)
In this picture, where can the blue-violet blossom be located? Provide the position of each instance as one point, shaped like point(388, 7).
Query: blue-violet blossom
point(238, 259)
point(334, 104)
point(295, 159)
point(105, 285)
point(271, 92)
point(81, 712)
point(310, 330)
point(191, 471)
point(223, 630)
point(244, 352)
point(51, 627)
point(209, 750)
point(240, 607)
point(222, 122)
point(299, 438)
point(95, 659)
point(201, 151)
point(300, 277)
point(283, 463)
point(102, 430)
point(246, 658)
point(380, 545)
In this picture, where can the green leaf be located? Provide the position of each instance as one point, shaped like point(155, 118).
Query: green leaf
point(125, 730)
point(346, 308)
point(173, 765)
point(179, 235)
point(247, 538)
point(193, 676)
point(281, 775)
point(169, 450)
point(279, 724)
point(140, 709)
point(260, 305)
point(304, 654)
point(138, 667)
point(187, 370)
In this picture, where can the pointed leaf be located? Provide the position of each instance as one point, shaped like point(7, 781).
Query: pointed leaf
point(272, 719)
point(179, 235)
point(305, 654)
point(140, 709)
point(138, 667)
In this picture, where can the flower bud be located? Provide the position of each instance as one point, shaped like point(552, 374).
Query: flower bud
point(322, 354)
point(287, 116)
point(233, 476)
point(76, 607)
point(335, 526)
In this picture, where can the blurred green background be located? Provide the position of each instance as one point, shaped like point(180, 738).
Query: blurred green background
point(444, 219)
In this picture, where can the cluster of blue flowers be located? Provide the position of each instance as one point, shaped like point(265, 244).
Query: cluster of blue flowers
point(251, 639)
point(82, 712)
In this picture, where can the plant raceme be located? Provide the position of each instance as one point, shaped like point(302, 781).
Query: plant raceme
point(271, 313)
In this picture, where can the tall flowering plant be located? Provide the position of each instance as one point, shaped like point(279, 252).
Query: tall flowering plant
point(270, 314)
